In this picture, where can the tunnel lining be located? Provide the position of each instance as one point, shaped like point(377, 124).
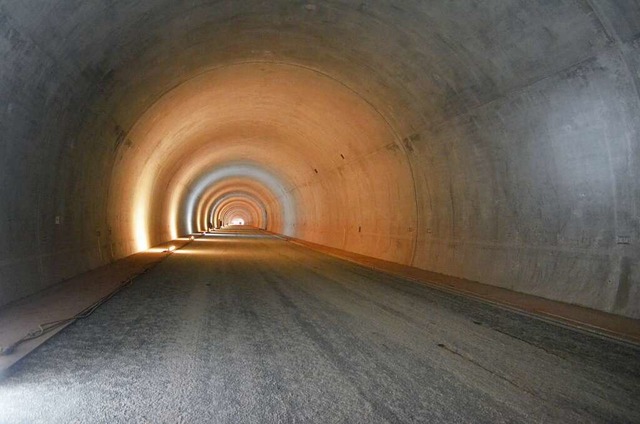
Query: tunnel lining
point(503, 116)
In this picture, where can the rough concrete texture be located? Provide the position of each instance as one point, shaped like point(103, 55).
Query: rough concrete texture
point(251, 328)
point(50, 310)
point(491, 140)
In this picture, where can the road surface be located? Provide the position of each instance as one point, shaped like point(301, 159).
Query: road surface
point(244, 327)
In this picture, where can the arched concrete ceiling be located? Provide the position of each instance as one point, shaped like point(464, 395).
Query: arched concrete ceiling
point(208, 206)
point(213, 212)
point(239, 209)
point(491, 140)
point(274, 116)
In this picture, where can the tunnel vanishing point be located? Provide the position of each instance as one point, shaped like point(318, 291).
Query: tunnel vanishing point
point(492, 141)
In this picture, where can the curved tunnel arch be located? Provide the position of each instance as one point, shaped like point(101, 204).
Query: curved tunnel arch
point(246, 171)
point(486, 141)
point(233, 179)
point(272, 215)
point(257, 204)
point(235, 210)
point(357, 128)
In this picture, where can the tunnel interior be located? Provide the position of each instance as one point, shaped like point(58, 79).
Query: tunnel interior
point(493, 141)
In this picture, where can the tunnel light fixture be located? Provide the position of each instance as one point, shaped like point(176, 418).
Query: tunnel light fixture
point(171, 248)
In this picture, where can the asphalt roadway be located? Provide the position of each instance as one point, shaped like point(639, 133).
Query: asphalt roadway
point(243, 327)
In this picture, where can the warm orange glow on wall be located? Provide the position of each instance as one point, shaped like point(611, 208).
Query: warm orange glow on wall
point(264, 126)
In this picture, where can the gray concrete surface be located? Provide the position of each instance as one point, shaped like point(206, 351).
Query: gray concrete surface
point(250, 328)
point(49, 311)
point(493, 140)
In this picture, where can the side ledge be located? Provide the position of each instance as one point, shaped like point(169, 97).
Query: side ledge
point(27, 323)
point(573, 316)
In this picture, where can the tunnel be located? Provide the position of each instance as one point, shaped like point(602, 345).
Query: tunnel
point(320, 211)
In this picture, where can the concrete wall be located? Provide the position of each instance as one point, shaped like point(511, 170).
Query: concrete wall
point(492, 140)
